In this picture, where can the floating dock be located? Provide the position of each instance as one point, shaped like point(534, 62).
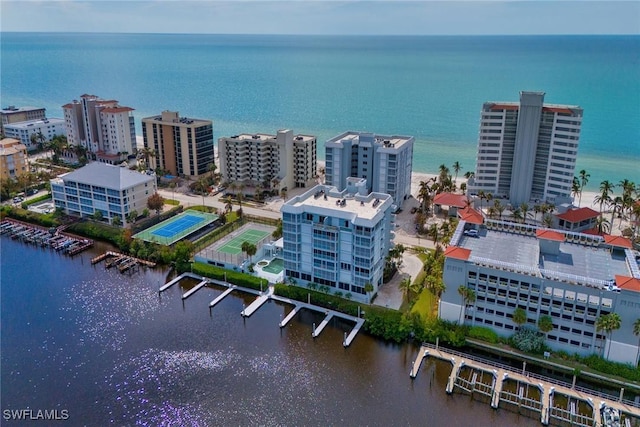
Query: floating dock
point(545, 387)
point(195, 289)
point(266, 296)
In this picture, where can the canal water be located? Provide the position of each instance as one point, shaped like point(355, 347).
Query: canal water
point(108, 349)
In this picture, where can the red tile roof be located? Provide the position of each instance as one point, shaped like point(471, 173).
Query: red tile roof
point(471, 215)
point(505, 107)
point(578, 215)
point(116, 109)
point(629, 283)
point(593, 231)
point(557, 110)
point(618, 241)
point(457, 252)
point(451, 199)
point(550, 235)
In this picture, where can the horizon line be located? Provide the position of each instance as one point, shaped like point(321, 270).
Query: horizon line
point(339, 34)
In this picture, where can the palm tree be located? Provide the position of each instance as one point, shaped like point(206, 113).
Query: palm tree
point(212, 168)
point(146, 153)
point(248, 248)
point(57, 145)
point(482, 196)
point(434, 233)
point(456, 168)
point(519, 317)
point(424, 195)
point(524, 209)
point(584, 179)
point(38, 138)
point(468, 297)
point(602, 224)
point(575, 187)
point(405, 286)
point(368, 287)
point(202, 186)
point(545, 324)
point(607, 324)
point(617, 207)
point(516, 215)
point(228, 205)
point(469, 174)
point(636, 332)
point(604, 198)
point(499, 207)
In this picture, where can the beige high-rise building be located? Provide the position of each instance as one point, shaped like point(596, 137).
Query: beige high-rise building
point(13, 158)
point(183, 146)
point(270, 161)
point(105, 128)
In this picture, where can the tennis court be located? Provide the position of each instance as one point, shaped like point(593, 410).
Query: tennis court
point(234, 246)
point(176, 228)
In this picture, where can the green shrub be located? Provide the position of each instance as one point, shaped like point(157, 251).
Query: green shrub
point(626, 371)
point(171, 202)
point(483, 333)
point(45, 220)
point(528, 340)
point(235, 277)
point(35, 200)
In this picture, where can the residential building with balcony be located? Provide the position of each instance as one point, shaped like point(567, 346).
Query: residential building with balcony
point(384, 161)
point(13, 114)
point(183, 146)
point(527, 150)
point(572, 277)
point(268, 161)
point(337, 239)
point(24, 130)
point(105, 128)
point(114, 191)
point(13, 158)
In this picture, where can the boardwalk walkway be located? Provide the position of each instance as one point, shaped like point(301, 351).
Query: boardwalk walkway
point(547, 386)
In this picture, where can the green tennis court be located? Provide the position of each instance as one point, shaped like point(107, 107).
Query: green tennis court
point(234, 245)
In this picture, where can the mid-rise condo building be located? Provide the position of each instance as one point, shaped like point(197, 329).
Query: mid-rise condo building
point(384, 161)
point(13, 158)
point(112, 190)
point(527, 150)
point(105, 128)
point(269, 161)
point(183, 146)
point(338, 239)
point(572, 277)
point(13, 114)
point(23, 131)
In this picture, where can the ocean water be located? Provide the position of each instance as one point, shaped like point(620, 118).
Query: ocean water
point(427, 86)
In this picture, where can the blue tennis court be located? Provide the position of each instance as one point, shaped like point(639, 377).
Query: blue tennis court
point(176, 228)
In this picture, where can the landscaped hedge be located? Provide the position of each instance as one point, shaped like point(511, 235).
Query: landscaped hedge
point(97, 231)
point(317, 298)
point(45, 220)
point(35, 200)
point(235, 277)
point(483, 333)
point(171, 202)
point(626, 371)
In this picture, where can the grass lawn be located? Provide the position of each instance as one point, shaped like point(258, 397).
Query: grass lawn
point(426, 305)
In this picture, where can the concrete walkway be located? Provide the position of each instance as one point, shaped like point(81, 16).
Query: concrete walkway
point(390, 294)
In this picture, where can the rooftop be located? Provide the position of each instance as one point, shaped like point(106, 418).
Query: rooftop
point(265, 137)
point(31, 123)
point(10, 146)
point(451, 199)
point(13, 109)
point(329, 198)
point(581, 258)
point(104, 175)
point(386, 141)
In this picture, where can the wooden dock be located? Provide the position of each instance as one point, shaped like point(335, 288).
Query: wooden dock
point(548, 388)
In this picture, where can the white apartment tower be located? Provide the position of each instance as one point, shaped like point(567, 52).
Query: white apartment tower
point(384, 161)
point(271, 161)
point(527, 150)
point(337, 239)
point(104, 127)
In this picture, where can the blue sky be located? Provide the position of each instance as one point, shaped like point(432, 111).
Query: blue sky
point(323, 17)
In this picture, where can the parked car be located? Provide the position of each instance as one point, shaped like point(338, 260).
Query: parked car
point(471, 233)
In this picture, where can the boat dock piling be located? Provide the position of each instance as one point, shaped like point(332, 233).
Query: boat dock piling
point(545, 389)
